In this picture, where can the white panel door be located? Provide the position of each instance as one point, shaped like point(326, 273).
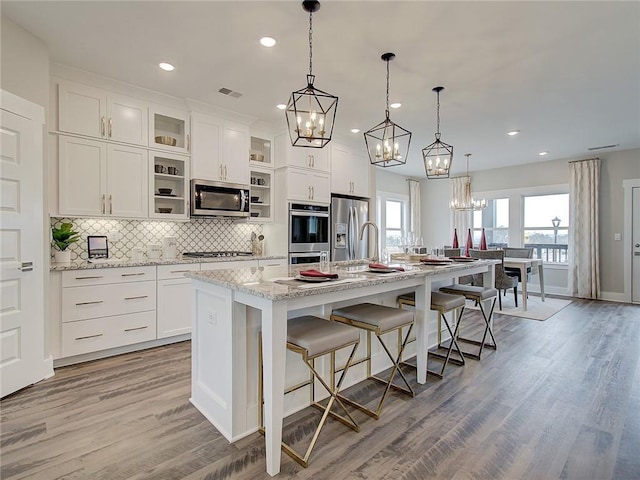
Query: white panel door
point(206, 148)
point(81, 177)
point(236, 154)
point(82, 109)
point(174, 307)
point(127, 181)
point(21, 252)
point(635, 242)
point(128, 120)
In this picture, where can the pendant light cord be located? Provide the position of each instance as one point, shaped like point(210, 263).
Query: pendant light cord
point(387, 110)
point(438, 120)
point(310, 43)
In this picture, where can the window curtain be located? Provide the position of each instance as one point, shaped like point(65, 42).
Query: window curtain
point(584, 256)
point(462, 221)
point(414, 207)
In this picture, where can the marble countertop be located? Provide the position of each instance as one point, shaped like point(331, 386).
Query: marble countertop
point(278, 283)
point(84, 265)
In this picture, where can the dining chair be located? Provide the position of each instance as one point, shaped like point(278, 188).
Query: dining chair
point(514, 252)
point(503, 281)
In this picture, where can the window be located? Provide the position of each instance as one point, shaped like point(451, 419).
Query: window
point(495, 221)
point(546, 226)
point(392, 219)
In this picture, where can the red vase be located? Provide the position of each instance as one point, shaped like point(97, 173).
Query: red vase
point(455, 239)
point(483, 241)
point(469, 244)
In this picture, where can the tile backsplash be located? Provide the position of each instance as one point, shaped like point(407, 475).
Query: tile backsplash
point(197, 235)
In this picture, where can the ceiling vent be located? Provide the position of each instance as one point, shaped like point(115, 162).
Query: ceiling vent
point(231, 93)
point(602, 147)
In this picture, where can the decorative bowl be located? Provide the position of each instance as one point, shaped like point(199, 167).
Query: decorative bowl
point(165, 191)
point(255, 199)
point(164, 210)
point(255, 214)
point(256, 157)
point(165, 140)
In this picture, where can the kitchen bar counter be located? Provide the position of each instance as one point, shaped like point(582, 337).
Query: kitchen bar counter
point(231, 306)
point(84, 265)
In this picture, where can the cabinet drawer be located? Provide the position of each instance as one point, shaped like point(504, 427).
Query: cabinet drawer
point(80, 303)
point(102, 276)
point(169, 272)
point(101, 333)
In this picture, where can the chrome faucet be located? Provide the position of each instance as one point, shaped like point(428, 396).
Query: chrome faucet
point(376, 254)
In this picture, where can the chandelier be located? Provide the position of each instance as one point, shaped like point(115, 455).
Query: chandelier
point(466, 202)
point(310, 111)
point(439, 155)
point(387, 142)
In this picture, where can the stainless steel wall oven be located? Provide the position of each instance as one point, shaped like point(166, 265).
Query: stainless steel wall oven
point(308, 229)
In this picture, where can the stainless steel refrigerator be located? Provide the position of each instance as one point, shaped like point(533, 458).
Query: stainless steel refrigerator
point(347, 216)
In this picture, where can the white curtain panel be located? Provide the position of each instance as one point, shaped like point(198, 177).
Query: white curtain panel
point(414, 207)
point(584, 256)
point(462, 221)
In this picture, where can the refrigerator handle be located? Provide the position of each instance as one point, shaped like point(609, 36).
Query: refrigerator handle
point(356, 239)
point(349, 236)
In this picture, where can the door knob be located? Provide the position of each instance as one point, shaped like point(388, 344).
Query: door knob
point(637, 245)
point(26, 266)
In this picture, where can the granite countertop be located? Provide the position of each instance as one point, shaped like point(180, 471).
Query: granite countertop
point(85, 265)
point(278, 283)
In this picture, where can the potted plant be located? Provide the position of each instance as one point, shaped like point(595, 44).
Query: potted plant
point(62, 238)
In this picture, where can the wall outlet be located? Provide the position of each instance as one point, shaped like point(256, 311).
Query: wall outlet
point(617, 237)
point(213, 319)
point(114, 236)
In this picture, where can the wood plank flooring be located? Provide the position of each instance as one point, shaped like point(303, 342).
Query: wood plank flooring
point(559, 399)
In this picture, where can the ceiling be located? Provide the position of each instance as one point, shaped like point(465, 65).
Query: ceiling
point(566, 74)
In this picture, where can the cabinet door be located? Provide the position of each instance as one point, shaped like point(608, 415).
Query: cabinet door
point(298, 187)
point(234, 159)
point(171, 171)
point(127, 181)
point(128, 120)
point(341, 178)
point(166, 122)
point(206, 149)
point(174, 307)
point(361, 169)
point(320, 187)
point(82, 109)
point(82, 177)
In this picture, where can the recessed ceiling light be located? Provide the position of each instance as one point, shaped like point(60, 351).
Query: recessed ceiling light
point(267, 41)
point(355, 130)
point(513, 132)
point(166, 67)
point(542, 154)
point(395, 105)
point(281, 106)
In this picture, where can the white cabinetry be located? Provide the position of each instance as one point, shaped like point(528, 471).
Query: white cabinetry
point(349, 171)
point(174, 299)
point(169, 129)
point(286, 155)
point(307, 185)
point(169, 186)
point(94, 112)
point(261, 193)
point(219, 150)
point(107, 308)
point(100, 179)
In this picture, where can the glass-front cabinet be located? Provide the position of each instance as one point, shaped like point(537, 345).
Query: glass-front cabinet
point(169, 187)
point(169, 129)
point(260, 152)
point(261, 188)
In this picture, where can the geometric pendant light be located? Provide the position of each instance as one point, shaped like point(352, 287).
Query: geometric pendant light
point(439, 155)
point(465, 201)
point(387, 143)
point(310, 111)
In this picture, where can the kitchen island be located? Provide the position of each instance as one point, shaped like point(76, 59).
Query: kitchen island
point(230, 306)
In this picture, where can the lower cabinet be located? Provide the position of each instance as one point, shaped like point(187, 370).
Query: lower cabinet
point(174, 299)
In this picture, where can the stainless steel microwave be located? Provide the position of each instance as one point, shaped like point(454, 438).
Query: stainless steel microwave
point(219, 199)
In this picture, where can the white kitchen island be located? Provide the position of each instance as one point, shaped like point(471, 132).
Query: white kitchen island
point(224, 362)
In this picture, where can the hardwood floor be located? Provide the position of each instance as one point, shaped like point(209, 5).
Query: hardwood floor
point(559, 399)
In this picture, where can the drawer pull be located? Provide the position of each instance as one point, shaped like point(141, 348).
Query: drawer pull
point(132, 274)
point(88, 278)
point(136, 298)
point(89, 336)
point(180, 271)
point(134, 329)
point(90, 303)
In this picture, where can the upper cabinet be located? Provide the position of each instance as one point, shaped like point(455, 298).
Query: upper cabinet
point(219, 150)
point(168, 186)
point(260, 152)
point(169, 129)
point(94, 112)
point(350, 171)
point(312, 158)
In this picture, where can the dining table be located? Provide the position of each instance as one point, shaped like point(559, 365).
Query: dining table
point(525, 265)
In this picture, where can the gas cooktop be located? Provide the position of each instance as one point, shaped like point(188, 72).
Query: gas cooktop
point(225, 253)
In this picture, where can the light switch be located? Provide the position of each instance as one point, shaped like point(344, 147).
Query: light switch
point(617, 236)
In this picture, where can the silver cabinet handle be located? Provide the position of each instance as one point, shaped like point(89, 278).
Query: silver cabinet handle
point(135, 328)
point(90, 303)
point(225, 172)
point(313, 193)
point(104, 203)
point(220, 173)
point(188, 142)
point(89, 336)
point(132, 274)
point(102, 126)
point(26, 267)
point(309, 192)
point(136, 298)
point(180, 271)
point(110, 204)
point(313, 161)
point(88, 278)
point(110, 127)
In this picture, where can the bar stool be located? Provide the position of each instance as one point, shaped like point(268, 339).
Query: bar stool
point(377, 319)
point(313, 337)
point(478, 295)
point(442, 303)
